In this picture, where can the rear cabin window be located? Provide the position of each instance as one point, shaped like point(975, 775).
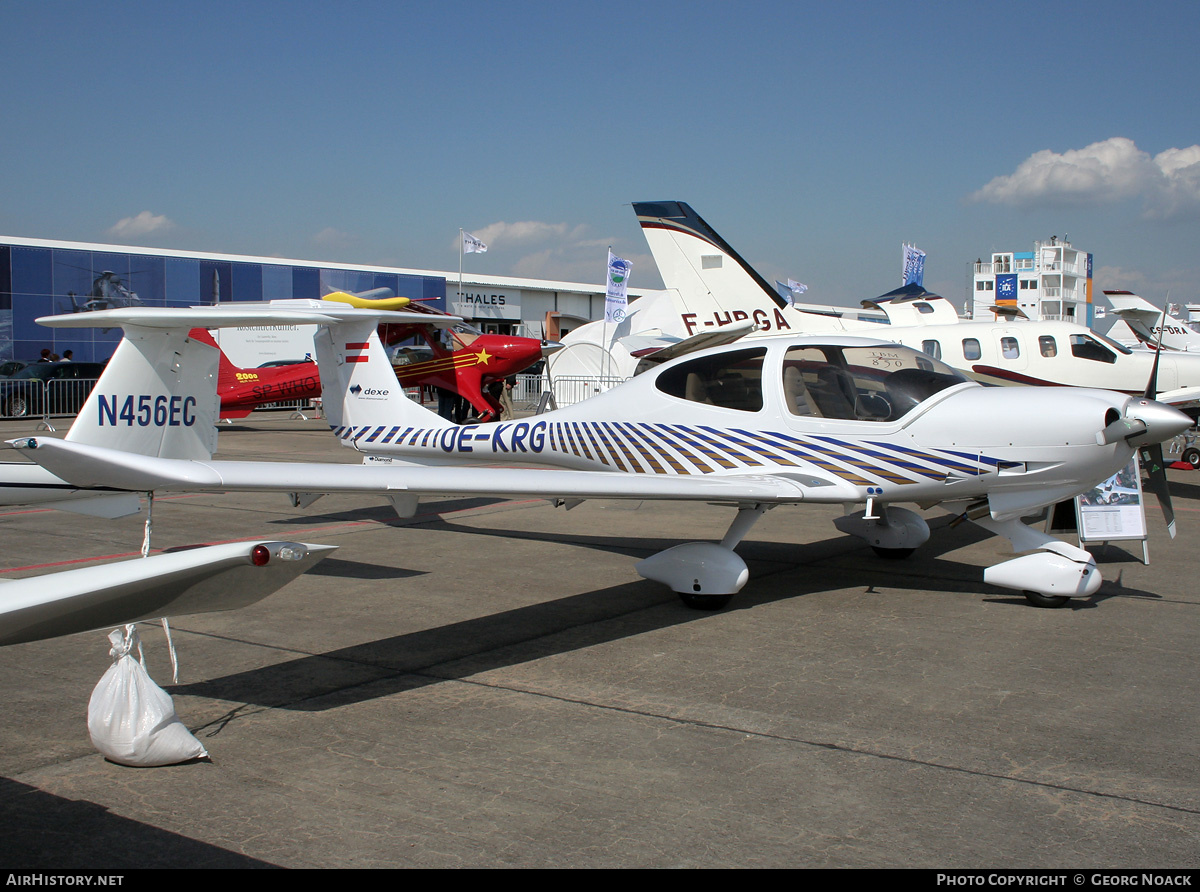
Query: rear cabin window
point(1047, 345)
point(971, 348)
point(933, 348)
point(730, 380)
point(1009, 348)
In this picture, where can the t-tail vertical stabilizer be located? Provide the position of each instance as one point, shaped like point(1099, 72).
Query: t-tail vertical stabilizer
point(363, 401)
point(693, 259)
point(157, 397)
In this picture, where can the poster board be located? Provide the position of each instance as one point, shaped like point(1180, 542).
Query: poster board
point(1115, 510)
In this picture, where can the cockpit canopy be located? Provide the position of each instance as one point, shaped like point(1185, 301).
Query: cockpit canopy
point(875, 382)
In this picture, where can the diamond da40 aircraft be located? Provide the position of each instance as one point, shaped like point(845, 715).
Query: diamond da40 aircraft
point(781, 421)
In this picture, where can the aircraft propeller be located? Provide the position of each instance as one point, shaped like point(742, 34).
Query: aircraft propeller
point(1151, 454)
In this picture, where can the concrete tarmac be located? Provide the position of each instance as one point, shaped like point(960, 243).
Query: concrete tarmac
point(490, 684)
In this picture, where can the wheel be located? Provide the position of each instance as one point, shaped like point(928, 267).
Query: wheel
point(705, 602)
point(1048, 601)
point(892, 554)
point(1191, 455)
point(18, 407)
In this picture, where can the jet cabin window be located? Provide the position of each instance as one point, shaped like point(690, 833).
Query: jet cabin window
point(1009, 348)
point(861, 383)
point(971, 348)
point(933, 348)
point(1085, 347)
point(1048, 346)
point(730, 380)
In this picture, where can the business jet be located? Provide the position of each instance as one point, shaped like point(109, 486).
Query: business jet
point(838, 419)
point(709, 287)
point(1148, 323)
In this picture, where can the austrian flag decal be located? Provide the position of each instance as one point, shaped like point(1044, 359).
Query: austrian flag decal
point(356, 352)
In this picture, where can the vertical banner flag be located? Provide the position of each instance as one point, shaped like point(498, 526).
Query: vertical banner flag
point(914, 266)
point(472, 245)
point(615, 299)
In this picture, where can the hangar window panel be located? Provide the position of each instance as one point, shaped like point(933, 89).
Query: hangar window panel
point(31, 271)
point(182, 281)
point(147, 277)
point(276, 282)
point(247, 281)
point(72, 279)
point(971, 348)
point(216, 281)
point(306, 283)
point(729, 380)
point(1047, 345)
point(5, 280)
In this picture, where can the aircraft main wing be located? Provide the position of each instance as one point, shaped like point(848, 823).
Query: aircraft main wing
point(83, 465)
point(198, 580)
point(297, 312)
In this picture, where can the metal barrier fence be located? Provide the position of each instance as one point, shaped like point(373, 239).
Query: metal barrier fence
point(571, 389)
point(30, 398)
point(21, 398)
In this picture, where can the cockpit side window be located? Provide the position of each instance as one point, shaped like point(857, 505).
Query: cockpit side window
point(730, 380)
point(1085, 347)
point(877, 383)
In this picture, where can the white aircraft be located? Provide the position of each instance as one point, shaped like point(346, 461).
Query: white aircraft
point(156, 397)
point(710, 287)
point(197, 580)
point(752, 425)
point(1147, 323)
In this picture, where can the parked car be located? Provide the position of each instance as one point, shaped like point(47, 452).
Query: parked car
point(11, 367)
point(54, 388)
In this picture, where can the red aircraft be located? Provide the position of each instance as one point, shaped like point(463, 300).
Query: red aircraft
point(476, 361)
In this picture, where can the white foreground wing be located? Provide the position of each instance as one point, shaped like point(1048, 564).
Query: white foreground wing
point(95, 466)
point(199, 580)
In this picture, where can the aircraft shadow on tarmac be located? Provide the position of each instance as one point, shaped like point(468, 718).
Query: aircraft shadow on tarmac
point(388, 666)
point(86, 834)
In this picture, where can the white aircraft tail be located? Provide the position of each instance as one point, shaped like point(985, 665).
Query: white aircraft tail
point(697, 262)
point(1146, 321)
point(363, 401)
point(157, 397)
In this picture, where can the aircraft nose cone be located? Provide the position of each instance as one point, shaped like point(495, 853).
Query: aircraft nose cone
point(550, 347)
point(1162, 421)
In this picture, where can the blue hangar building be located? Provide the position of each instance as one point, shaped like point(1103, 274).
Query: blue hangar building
point(40, 277)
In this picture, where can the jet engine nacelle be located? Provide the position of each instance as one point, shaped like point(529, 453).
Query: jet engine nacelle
point(895, 528)
point(697, 568)
point(1051, 575)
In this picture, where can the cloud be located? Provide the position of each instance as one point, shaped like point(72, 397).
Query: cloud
point(1104, 172)
point(141, 225)
point(333, 239)
point(523, 234)
point(562, 251)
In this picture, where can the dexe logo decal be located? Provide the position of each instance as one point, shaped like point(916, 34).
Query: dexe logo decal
point(369, 393)
point(356, 352)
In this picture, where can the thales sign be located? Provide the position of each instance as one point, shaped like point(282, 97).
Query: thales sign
point(484, 303)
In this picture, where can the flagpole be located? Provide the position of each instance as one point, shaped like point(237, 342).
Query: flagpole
point(460, 262)
point(604, 336)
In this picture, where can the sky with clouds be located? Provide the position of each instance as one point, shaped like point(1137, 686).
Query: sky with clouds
point(815, 137)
